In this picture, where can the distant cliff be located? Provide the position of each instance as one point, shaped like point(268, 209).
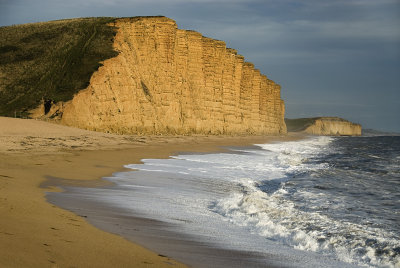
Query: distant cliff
point(165, 80)
point(329, 126)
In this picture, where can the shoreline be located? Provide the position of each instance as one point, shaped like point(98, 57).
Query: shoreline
point(36, 233)
point(156, 235)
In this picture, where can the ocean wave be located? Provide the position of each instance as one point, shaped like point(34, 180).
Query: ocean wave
point(279, 219)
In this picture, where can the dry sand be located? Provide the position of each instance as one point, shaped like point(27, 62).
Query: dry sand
point(35, 233)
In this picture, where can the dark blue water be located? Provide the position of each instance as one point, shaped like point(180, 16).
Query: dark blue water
point(357, 189)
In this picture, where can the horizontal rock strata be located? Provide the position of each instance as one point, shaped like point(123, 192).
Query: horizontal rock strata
point(171, 81)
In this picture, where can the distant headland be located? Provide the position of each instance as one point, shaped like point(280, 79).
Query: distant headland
point(328, 126)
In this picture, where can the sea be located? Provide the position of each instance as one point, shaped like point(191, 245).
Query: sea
point(316, 202)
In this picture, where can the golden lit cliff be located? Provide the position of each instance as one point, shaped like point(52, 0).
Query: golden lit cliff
point(171, 81)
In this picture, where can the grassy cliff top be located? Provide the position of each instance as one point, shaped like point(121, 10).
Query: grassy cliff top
point(50, 60)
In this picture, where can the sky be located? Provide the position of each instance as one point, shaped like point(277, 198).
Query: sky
point(331, 57)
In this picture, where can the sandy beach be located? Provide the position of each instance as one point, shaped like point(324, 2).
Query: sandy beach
point(35, 233)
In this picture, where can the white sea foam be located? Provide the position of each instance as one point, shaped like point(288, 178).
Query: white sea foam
point(274, 217)
point(250, 189)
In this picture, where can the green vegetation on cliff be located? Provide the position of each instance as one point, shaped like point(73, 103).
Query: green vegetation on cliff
point(50, 61)
point(299, 124)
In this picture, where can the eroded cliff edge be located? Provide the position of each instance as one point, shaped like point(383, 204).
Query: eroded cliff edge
point(171, 81)
point(326, 126)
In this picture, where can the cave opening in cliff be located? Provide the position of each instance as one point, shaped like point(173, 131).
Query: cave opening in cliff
point(47, 106)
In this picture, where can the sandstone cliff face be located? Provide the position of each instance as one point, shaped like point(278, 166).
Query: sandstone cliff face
point(166, 81)
point(328, 126)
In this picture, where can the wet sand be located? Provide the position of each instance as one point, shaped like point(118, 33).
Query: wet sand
point(159, 236)
point(35, 233)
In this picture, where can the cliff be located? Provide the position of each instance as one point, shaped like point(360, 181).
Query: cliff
point(171, 81)
point(327, 126)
